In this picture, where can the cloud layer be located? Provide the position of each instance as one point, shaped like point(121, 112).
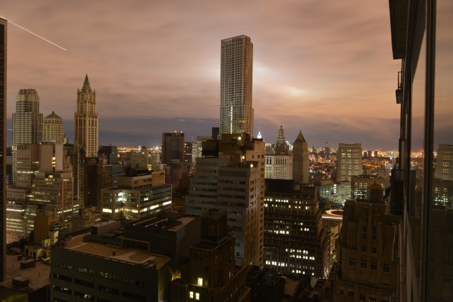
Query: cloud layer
point(321, 66)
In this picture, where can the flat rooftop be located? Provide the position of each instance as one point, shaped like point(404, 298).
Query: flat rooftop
point(167, 223)
point(38, 275)
point(131, 255)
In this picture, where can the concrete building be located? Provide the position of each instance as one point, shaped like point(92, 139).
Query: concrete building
point(27, 121)
point(139, 194)
point(134, 263)
point(188, 152)
point(279, 165)
point(54, 190)
point(172, 147)
point(140, 159)
point(360, 185)
point(294, 239)
point(212, 274)
point(236, 81)
point(349, 161)
point(26, 280)
point(52, 129)
point(3, 142)
point(368, 267)
point(300, 160)
point(197, 147)
point(230, 178)
point(85, 218)
point(444, 166)
point(265, 285)
point(86, 120)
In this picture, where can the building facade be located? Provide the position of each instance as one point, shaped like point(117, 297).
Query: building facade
point(52, 129)
point(368, 268)
point(444, 164)
point(27, 121)
point(86, 120)
point(294, 239)
point(300, 160)
point(230, 178)
point(212, 273)
point(236, 77)
point(349, 161)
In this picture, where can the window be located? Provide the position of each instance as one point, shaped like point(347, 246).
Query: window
point(386, 268)
point(191, 295)
point(364, 248)
point(374, 266)
point(363, 264)
point(341, 291)
point(197, 296)
point(385, 299)
point(373, 250)
point(448, 279)
point(200, 281)
point(362, 297)
point(351, 262)
point(350, 293)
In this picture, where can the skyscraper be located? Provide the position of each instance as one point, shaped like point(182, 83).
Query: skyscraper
point(230, 178)
point(27, 121)
point(300, 159)
point(444, 167)
point(236, 112)
point(52, 129)
point(3, 27)
point(349, 161)
point(86, 120)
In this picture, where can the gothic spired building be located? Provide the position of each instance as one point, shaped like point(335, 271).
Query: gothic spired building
point(86, 120)
point(236, 112)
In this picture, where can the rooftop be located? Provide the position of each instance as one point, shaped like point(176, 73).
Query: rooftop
point(37, 275)
point(131, 255)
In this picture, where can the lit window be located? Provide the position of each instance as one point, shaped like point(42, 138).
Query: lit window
point(200, 281)
point(191, 295)
point(197, 296)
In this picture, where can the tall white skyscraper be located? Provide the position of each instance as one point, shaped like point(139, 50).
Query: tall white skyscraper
point(236, 75)
point(86, 120)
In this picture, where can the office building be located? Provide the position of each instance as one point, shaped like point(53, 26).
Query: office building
point(140, 159)
point(134, 263)
point(27, 121)
point(52, 129)
point(444, 164)
point(266, 285)
point(197, 147)
point(212, 274)
point(188, 152)
point(300, 159)
point(294, 239)
point(86, 120)
point(236, 79)
point(172, 147)
point(360, 185)
point(279, 164)
point(230, 178)
point(368, 267)
point(139, 193)
point(3, 101)
point(349, 161)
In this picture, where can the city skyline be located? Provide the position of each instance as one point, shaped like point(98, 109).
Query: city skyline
point(322, 68)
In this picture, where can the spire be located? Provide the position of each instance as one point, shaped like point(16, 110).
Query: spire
point(86, 84)
point(300, 137)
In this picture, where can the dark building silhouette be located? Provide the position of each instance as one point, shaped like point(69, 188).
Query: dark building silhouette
point(3, 48)
point(212, 274)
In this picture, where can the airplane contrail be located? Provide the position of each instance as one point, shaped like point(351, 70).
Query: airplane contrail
point(34, 34)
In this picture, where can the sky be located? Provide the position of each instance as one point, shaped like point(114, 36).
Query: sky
point(323, 67)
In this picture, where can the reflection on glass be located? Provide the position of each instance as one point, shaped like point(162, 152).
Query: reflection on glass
point(440, 252)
